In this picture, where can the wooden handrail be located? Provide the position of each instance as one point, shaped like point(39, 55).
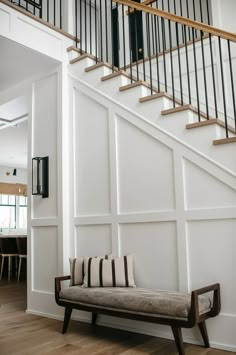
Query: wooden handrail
point(148, 2)
point(178, 19)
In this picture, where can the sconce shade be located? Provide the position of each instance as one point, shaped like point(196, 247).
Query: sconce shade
point(40, 176)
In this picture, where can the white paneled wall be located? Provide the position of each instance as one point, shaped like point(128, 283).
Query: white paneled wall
point(45, 223)
point(137, 190)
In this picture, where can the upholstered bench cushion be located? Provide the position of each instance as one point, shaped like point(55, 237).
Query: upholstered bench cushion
point(138, 300)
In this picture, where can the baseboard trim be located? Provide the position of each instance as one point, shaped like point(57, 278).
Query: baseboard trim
point(120, 326)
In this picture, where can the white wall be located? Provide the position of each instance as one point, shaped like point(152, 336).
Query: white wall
point(223, 14)
point(121, 185)
point(45, 222)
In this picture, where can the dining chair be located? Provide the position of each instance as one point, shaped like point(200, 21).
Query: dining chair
point(8, 250)
point(22, 253)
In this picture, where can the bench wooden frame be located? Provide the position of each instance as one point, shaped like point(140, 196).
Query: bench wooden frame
point(176, 324)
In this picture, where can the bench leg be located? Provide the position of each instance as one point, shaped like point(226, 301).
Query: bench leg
point(203, 330)
point(178, 339)
point(94, 318)
point(66, 319)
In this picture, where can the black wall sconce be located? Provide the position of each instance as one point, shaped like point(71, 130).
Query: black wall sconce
point(40, 176)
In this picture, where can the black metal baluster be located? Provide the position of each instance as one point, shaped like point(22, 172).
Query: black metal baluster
point(204, 75)
point(80, 25)
point(213, 75)
point(179, 62)
point(90, 26)
point(136, 42)
point(196, 76)
point(118, 35)
point(130, 47)
point(181, 14)
point(76, 23)
point(54, 9)
point(149, 49)
point(187, 66)
point(201, 14)
point(171, 58)
point(85, 26)
point(101, 30)
point(194, 11)
point(158, 33)
point(48, 10)
point(106, 30)
point(232, 81)
point(223, 88)
point(187, 9)
point(153, 41)
point(157, 54)
point(144, 68)
point(60, 16)
point(194, 15)
point(96, 29)
point(208, 12)
point(112, 40)
point(123, 29)
point(164, 49)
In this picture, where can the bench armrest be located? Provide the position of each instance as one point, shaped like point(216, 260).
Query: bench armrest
point(194, 315)
point(58, 281)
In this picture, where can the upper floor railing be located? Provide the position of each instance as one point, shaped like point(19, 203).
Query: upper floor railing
point(193, 62)
point(48, 10)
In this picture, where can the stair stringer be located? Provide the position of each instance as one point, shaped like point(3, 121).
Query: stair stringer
point(171, 229)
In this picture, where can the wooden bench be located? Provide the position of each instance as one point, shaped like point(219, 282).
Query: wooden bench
point(176, 309)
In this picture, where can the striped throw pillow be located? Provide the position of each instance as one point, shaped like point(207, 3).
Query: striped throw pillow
point(116, 272)
point(77, 269)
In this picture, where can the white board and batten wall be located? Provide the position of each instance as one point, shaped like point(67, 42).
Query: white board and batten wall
point(117, 185)
point(141, 192)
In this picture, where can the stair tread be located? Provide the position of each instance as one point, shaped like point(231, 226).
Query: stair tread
point(224, 141)
point(152, 97)
point(176, 109)
point(83, 56)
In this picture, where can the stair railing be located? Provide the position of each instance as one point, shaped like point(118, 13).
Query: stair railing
point(192, 62)
point(48, 10)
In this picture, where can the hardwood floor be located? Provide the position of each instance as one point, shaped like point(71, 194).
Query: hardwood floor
point(24, 334)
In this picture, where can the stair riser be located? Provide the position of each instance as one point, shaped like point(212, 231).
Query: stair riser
point(94, 76)
point(72, 54)
point(152, 109)
point(77, 68)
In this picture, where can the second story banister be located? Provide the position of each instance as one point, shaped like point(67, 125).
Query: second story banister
point(180, 20)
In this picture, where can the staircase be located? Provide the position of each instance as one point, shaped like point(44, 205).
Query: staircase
point(173, 83)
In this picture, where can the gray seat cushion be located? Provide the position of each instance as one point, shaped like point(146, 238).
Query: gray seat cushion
point(138, 300)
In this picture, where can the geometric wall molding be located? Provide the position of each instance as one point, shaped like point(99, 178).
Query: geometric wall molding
point(203, 190)
point(145, 171)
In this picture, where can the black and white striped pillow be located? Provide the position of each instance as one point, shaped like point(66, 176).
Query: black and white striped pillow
point(116, 272)
point(77, 269)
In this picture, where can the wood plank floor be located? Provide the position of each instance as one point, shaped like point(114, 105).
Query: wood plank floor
point(24, 334)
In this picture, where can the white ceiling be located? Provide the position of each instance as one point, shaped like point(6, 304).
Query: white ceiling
point(13, 146)
point(17, 64)
point(13, 108)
